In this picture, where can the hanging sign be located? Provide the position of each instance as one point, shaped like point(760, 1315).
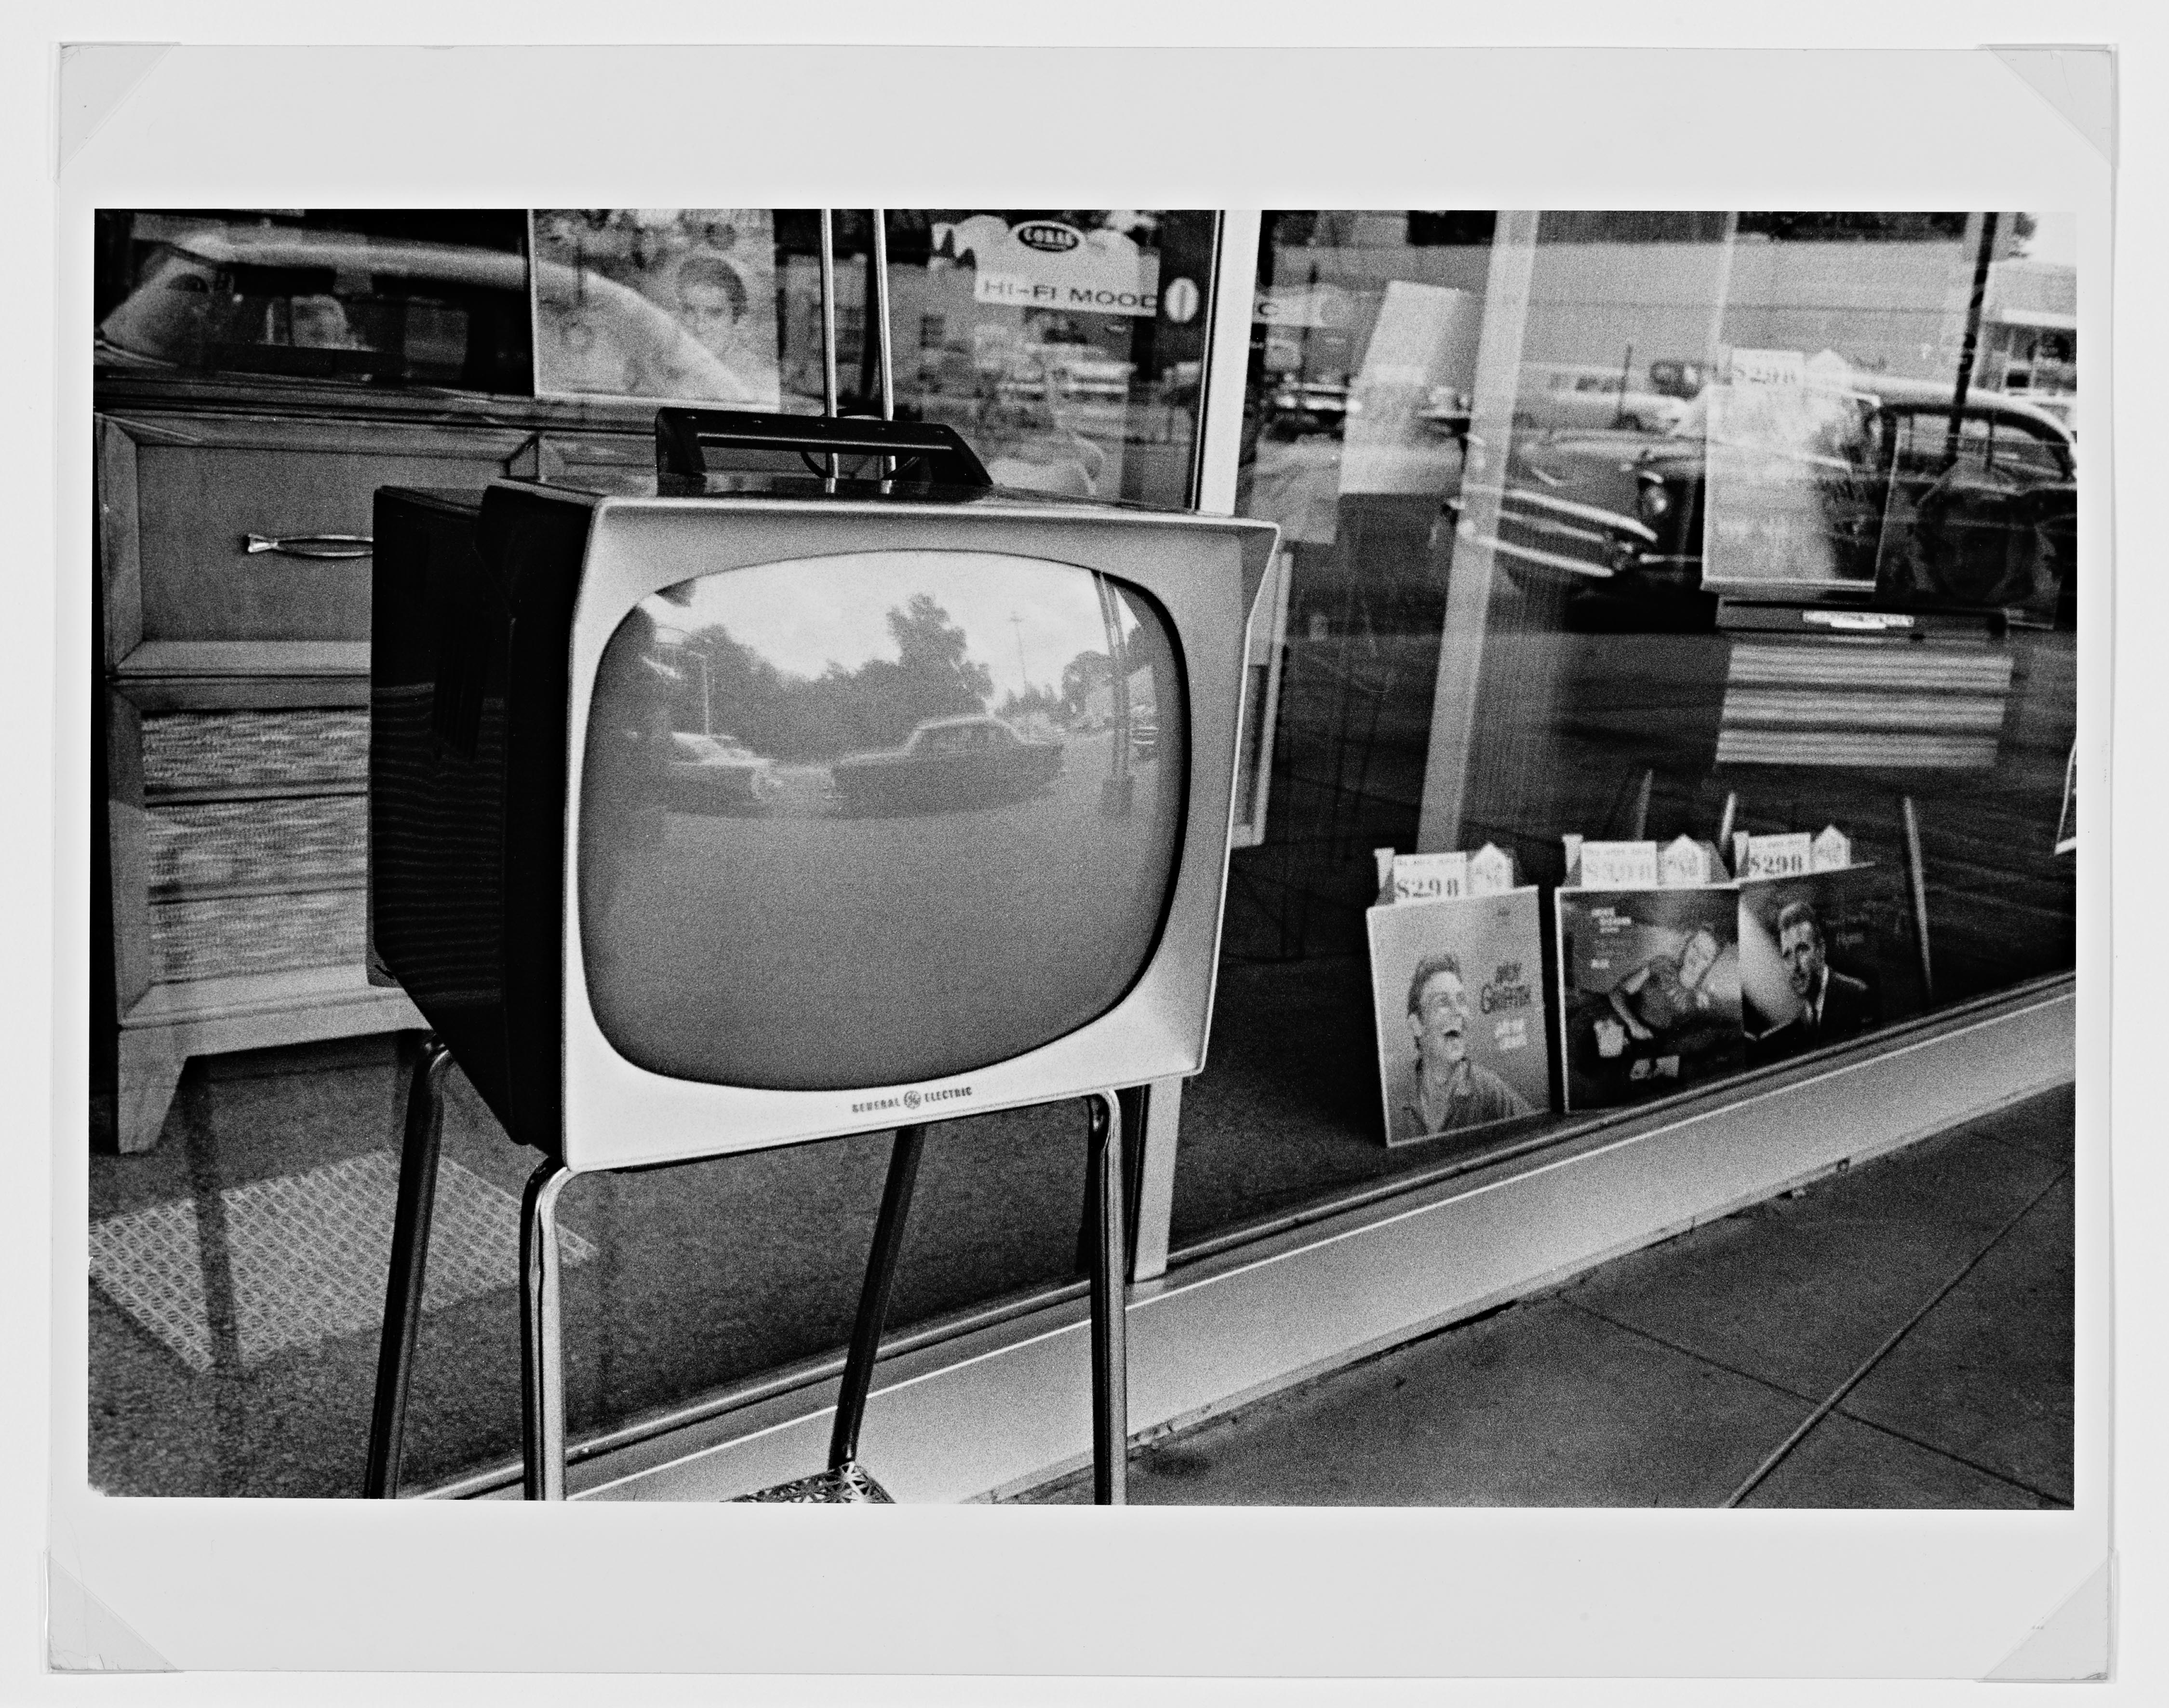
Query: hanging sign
point(1048, 263)
point(1326, 306)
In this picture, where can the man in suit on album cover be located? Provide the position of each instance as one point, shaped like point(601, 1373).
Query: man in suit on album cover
point(1832, 1005)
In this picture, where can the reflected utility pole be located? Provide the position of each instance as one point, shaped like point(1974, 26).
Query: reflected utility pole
point(1969, 351)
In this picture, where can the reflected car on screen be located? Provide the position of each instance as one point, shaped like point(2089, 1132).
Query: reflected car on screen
point(715, 774)
point(968, 760)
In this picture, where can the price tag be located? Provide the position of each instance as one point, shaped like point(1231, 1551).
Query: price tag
point(1618, 865)
point(1430, 877)
point(1833, 850)
point(1686, 863)
point(1790, 856)
point(1490, 871)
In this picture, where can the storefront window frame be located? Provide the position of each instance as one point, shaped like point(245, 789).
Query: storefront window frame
point(1511, 261)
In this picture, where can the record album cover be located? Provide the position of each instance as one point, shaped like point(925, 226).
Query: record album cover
point(1458, 989)
point(1648, 991)
point(1824, 957)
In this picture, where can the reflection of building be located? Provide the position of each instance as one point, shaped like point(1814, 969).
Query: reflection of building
point(2029, 327)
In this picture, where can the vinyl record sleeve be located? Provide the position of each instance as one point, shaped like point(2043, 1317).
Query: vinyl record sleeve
point(1648, 991)
point(1480, 1003)
point(1850, 965)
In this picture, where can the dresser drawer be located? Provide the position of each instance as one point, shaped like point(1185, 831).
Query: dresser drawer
point(240, 529)
point(214, 755)
point(219, 936)
point(274, 846)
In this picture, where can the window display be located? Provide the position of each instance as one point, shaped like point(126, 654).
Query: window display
point(1646, 535)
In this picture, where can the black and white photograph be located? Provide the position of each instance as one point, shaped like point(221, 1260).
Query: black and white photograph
point(694, 906)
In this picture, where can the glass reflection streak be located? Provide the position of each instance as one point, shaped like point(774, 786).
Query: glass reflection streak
point(961, 838)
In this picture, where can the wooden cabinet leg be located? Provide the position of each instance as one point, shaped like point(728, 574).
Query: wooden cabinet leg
point(150, 1068)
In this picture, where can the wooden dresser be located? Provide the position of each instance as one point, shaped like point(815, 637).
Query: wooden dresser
point(233, 556)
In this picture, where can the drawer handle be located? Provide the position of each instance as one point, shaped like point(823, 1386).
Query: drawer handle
point(310, 545)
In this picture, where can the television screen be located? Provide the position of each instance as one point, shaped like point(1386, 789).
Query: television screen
point(725, 818)
point(873, 817)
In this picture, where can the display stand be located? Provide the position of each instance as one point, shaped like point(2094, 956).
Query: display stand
point(541, 1335)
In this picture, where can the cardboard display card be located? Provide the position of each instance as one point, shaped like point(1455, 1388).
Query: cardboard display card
point(1787, 855)
point(1648, 991)
point(1430, 877)
point(1490, 871)
point(1458, 990)
point(1612, 865)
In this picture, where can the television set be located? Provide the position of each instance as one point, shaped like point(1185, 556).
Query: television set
point(768, 807)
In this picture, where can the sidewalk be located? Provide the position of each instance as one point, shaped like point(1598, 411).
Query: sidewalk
point(1897, 1335)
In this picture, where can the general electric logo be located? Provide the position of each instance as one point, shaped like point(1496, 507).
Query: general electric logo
point(1054, 238)
point(912, 1100)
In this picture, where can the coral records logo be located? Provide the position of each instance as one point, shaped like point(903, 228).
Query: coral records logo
point(911, 1100)
point(1048, 236)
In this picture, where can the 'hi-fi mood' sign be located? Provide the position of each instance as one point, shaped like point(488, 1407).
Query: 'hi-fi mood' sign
point(1046, 263)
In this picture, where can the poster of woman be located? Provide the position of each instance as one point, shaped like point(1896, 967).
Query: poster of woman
point(677, 304)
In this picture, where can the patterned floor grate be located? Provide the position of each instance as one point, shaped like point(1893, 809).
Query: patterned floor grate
point(308, 1255)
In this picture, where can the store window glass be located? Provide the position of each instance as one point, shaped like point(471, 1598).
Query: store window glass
point(237, 1264)
point(1067, 345)
point(435, 296)
point(1709, 579)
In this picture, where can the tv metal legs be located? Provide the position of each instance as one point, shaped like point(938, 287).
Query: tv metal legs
point(410, 1262)
point(845, 1480)
point(542, 1334)
point(1111, 1402)
point(873, 1296)
point(541, 1338)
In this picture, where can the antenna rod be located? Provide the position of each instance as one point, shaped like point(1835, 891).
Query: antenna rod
point(829, 325)
point(882, 360)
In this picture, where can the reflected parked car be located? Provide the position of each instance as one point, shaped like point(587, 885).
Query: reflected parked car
point(947, 763)
point(1675, 378)
point(1979, 518)
point(1076, 368)
point(1565, 398)
point(716, 774)
point(1296, 406)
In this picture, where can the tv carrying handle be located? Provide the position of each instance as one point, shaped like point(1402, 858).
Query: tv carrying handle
point(919, 452)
